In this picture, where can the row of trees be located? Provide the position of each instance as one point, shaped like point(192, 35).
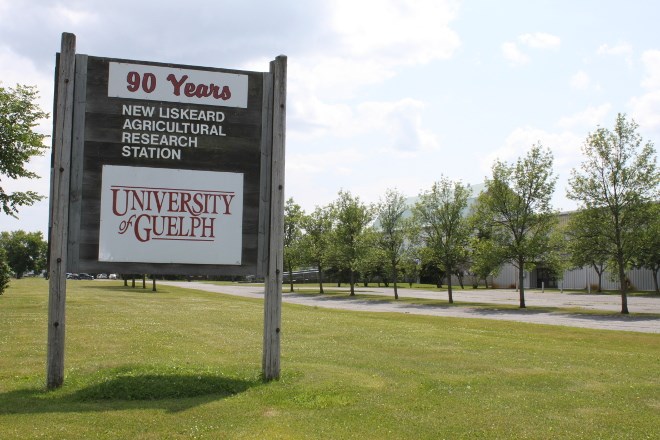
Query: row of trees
point(511, 221)
point(19, 142)
point(21, 252)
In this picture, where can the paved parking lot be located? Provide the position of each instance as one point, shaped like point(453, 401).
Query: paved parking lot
point(609, 319)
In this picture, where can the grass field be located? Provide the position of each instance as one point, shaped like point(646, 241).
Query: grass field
point(186, 364)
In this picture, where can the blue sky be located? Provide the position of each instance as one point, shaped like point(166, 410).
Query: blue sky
point(381, 94)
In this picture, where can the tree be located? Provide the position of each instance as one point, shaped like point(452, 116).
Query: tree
point(350, 243)
point(374, 263)
point(440, 216)
point(648, 255)
point(18, 143)
point(5, 271)
point(25, 251)
point(485, 261)
point(515, 210)
point(586, 245)
point(618, 175)
point(293, 220)
point(393, 232)
point(316, 241)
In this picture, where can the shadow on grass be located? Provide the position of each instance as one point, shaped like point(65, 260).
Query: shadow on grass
point(122, 288)
point(594, 315)
point(171, 392)
point(485, 309)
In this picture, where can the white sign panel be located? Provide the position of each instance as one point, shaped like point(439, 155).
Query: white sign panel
point(158, 215)
point(157, 83)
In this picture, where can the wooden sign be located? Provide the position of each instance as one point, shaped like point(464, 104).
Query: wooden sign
point(169, 166)
point(166, 169)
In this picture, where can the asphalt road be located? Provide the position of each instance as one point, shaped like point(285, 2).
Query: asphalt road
point(609, 305)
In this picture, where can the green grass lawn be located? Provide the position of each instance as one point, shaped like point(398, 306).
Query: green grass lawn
point(186, 364)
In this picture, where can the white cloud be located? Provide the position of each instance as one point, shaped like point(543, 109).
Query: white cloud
point(67, 16)
point(536, 40)
point(651, 61)
point(17, 69)
point(403, 33)
point(587, 119)
point(312, 163)
point(620, 49)
point(645, 109)
point(540, 40)
point(368, 51)
point(580, 81)
point(513, 54)
point(564, 146)
point(334, 77)
point(395, 126)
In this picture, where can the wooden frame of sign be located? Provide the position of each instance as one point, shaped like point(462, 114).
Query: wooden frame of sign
point(166, 169)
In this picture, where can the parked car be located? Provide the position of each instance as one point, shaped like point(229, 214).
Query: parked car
point(101, 276)
point(112, 276)
point(85, 276)
point(72, 276)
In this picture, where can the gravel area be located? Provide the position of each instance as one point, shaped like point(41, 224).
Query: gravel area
point(610, 305)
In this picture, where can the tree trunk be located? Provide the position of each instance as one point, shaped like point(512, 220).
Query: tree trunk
point(622, 285)
point(290, 279)
point(599, 271)
point(351, 280)
point(521, 286)
point(655, 279)
point(459, 275)
point(320, 279)
point(620, 266)
point(449, 291)
point(394, 279)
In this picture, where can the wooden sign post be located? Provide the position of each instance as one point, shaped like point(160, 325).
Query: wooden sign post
point(59, 212)
point(166, 169)
point(273, 293)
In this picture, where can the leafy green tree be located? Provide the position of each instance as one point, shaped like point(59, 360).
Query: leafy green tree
point(516, 210)
point(393, 232)
point(18, 143)
point(411, 262)
point(25, 251)
point(293, 233)
point(648, 254)
point(484, 258)
point(586, 244)
point(440, 216)
point(374, 263)
point(619, 176)
point(350, 241)
point(316, 241)
point(5, 271)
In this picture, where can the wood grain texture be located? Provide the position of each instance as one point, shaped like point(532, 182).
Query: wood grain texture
point(59, 212)
point(273, 294)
